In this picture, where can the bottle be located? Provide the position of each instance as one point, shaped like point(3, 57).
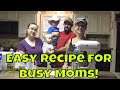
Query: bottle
point(0, 62)
point(10, 66)
point(1, 48)
point(21, 66)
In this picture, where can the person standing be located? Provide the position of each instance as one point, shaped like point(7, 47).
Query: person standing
point(63, 39)
point(31, 44)
point(79, 29)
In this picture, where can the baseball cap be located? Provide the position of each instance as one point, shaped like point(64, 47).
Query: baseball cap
point(81, 20)
point(68, 19)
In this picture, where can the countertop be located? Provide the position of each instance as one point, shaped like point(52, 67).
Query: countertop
point(15, 75)
point(106, 49)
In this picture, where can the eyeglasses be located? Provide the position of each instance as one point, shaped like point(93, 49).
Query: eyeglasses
point(35, 30)
point(80, 25)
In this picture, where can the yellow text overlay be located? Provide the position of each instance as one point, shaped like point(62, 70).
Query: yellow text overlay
point(40, 73)
point(80, 73)
point(53, 58)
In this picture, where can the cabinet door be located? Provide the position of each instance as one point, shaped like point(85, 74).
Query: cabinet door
point(92, 24)
point(104, 24)
point(12, 15)
point(3, 15)
point(8, 15)
point(24, 20)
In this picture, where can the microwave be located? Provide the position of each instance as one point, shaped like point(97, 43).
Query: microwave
point(8, 29)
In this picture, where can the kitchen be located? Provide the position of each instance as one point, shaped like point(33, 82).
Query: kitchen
point(101, 27)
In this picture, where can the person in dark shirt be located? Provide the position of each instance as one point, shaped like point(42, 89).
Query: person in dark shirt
point(32, 45)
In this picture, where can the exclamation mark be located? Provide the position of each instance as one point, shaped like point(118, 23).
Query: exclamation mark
point(96, 72)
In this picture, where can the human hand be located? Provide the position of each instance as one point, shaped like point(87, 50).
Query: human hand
point(55, 34)
point(65, 66)
point(50, 51)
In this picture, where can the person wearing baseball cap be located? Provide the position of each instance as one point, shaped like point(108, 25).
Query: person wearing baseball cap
point(79, 29)
point(68, 24)
point(63, 39)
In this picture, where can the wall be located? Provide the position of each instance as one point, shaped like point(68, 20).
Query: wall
point(8, 43)
point(113, 38)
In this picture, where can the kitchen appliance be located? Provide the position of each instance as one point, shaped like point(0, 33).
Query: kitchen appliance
point(85, 47)
point(8, 29)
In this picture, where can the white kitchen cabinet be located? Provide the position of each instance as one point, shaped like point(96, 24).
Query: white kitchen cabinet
point(104, 24)
point(98, 22)
point(8, 15)
point(12, 15)
point(92, 24)
point(3, 15)
point(24, 19)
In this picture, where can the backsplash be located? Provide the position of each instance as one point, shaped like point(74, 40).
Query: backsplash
point(8, 43)
point(103, 39)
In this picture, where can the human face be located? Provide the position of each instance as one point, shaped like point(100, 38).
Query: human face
point(32, 30)
point(55, 23)
point(67, 26)
point(80, 28)
point(49, 38)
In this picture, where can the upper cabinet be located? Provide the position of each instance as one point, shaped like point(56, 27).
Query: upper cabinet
point(9, 15)
point(13, 15)
point(98, 22)
point(104, 23)
point(3, 15)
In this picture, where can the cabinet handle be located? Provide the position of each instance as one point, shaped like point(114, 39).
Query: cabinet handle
point(111, 27)
point(86, 16)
